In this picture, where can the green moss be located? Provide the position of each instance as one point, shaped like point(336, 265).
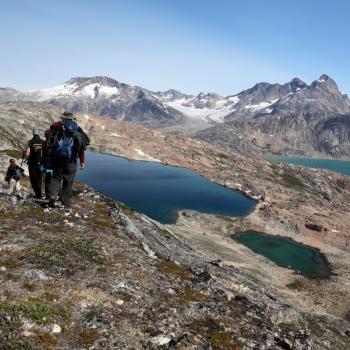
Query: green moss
point(289, 180)
point(189, 295)
point(126, 209)
point(292, 326)
point(214, 330)
point(13, 153)
point(168, 267)
point(37, 213)
point(206, 326)
point(35, 310)
point(101, 220)
point(30, 286)
point(223, 341)
point(64, 253)
point(10, 331)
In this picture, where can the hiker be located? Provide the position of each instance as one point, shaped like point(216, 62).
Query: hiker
point(65, 143)
point(45, 168)
point(34, 153)
point(13, 175)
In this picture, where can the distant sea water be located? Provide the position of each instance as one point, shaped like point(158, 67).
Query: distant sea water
point(339, 166)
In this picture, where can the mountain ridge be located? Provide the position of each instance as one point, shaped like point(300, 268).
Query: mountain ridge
point(263, 98)
point(230, 121)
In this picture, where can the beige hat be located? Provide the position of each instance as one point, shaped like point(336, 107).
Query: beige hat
point(67, 115)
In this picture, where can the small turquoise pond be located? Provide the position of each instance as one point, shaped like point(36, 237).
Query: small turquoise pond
point(160, 191)
point(339, 166)
point(285, 252)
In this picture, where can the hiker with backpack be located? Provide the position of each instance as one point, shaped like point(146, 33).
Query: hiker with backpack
point(34, 154)
point(47, 172)
point(13, 176)
point(65, 143)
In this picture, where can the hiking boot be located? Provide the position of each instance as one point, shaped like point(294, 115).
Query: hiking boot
point(52, 203)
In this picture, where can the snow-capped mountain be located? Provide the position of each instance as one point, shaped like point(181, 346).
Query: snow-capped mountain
point(308, 118)
point(79, 87)
point(265, 99)
point(108, 97)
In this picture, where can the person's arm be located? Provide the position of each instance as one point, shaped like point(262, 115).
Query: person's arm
point(27, 151)
point(82, 159)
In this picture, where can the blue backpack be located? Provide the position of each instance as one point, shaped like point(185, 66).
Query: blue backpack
point(66, 146)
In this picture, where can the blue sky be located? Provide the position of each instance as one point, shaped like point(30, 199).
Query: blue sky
point(219, 46)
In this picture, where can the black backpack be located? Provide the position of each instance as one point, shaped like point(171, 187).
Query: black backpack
point(36, 151)
point(17, 173)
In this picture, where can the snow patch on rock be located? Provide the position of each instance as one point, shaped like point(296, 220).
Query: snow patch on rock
point(141, 153)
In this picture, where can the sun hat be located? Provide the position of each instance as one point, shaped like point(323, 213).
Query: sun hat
point(67, 115)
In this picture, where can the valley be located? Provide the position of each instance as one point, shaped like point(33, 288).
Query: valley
point(308, 205)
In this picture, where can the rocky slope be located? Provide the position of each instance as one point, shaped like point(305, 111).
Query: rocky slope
point(306, 134)
point(17, 120)
point(109, 278)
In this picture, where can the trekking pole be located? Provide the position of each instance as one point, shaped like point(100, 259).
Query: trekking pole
point(23, 156)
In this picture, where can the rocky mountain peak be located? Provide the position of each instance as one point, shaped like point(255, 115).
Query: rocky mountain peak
point(297, 83)
point(211, 95)
point(325, 77)
point(172, 94)
point(326, 82)
point(102, 80)
point(257, 87)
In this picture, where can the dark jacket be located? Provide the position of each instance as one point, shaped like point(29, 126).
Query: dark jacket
point(14, 172)
point(35, 147)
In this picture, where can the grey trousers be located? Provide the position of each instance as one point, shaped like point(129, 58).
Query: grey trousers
point(63, 174)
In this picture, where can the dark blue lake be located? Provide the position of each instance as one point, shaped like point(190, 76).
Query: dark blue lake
point(160, 191)
point(339, 166)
